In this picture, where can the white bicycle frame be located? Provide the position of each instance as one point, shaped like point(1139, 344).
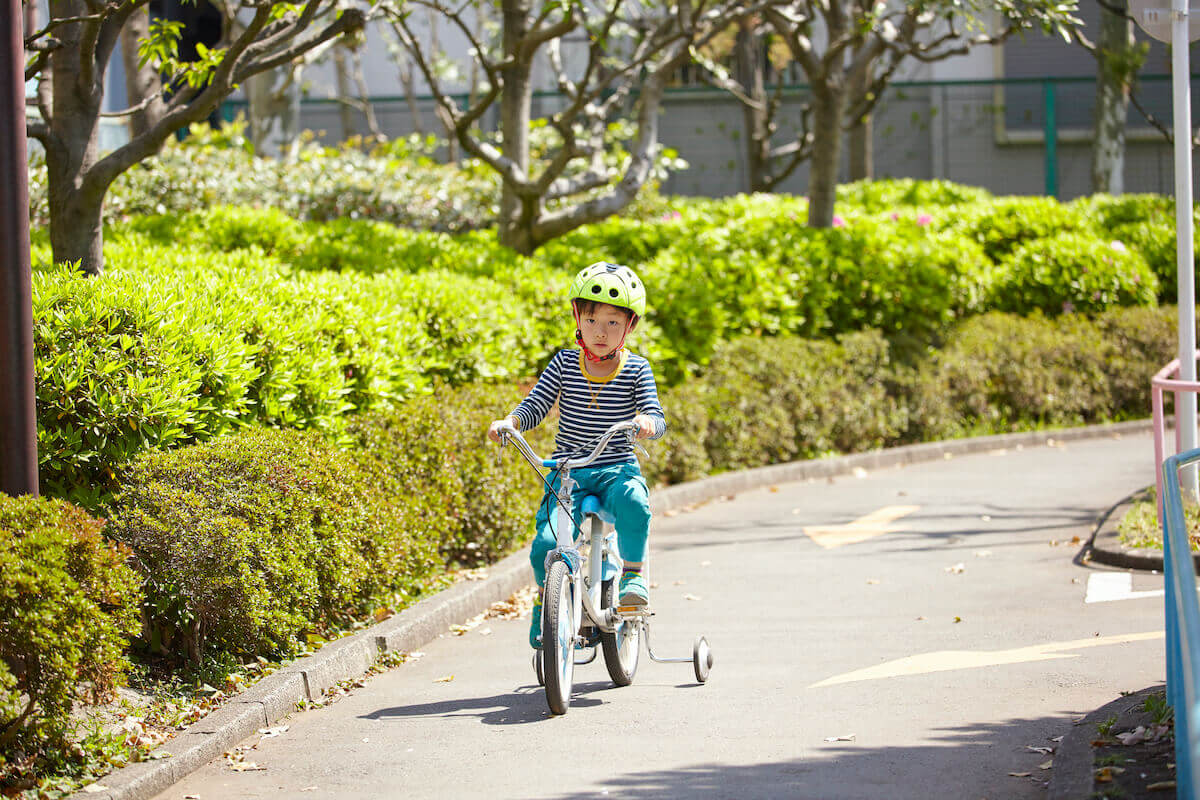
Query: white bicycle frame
point(606, 619)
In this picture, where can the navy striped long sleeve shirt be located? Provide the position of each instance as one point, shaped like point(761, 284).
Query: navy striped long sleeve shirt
point(588, 406)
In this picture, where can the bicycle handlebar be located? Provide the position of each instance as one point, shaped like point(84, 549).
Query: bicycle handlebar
point(508, 431)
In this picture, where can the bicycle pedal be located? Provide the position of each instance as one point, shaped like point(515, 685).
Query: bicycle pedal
point(635, 611)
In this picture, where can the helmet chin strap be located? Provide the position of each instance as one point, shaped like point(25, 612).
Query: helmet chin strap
point(588, 353)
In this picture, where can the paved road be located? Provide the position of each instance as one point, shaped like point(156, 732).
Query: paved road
point(940, 636)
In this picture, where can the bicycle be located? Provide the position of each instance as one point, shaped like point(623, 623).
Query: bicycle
point(578, 606)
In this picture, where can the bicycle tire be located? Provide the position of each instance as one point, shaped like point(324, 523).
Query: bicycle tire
point(621, 647)
point(558, 638)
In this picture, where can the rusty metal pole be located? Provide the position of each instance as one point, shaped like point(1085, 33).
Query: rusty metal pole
point(18, 421)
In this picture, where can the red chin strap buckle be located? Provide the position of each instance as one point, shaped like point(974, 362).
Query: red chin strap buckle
point(588, 353)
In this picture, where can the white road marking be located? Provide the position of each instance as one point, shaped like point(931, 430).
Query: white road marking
point(876, 523)
point(944, 660)
point(1104, 587)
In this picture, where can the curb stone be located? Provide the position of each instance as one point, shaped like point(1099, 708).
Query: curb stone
point(276, 695)
point(1073, 761)
point(1106, 547)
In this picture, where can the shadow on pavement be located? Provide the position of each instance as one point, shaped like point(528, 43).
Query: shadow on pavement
point(527, 704)
point(973, 761)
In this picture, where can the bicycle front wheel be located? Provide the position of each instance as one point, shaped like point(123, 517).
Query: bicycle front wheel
point(558, 638)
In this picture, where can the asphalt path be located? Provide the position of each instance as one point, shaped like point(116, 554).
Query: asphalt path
point(909, 633)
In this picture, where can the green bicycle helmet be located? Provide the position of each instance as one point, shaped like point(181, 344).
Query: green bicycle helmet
point(613, 284)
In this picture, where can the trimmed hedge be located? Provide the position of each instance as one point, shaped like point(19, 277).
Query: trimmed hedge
point(767, 400)
point(253, 541)
point(69, 603)
point(253, 317)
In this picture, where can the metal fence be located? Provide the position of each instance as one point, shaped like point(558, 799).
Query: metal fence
point(1183, 629)
point(1011, 136)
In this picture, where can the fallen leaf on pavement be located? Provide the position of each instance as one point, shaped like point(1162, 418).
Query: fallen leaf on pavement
point(1020, 774)
point(267, 733)
point(1105, 774)
point(246, 766)
point(444, 679)
point(958, 619)
point(957, 569)
point(859, 472)
point(872, 581)
point(1046, 764)
point(983, 553)
point(1161, 786)
point(95, 788)
point(849, 737)
point(309, 789)
point(1043, 750)
point(691, 597)
point(1056, 739)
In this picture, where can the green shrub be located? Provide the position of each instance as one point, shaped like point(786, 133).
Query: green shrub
point(895, 194)
point(68, 605)
point(1073, 272)
point(999, 372)
point(434, 452)
point(251, 541)
point(1002, 225)
point(1146, 224)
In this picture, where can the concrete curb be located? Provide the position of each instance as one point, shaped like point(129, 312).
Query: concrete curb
point(1073, 761)
point(276, 696)
point(1106, 547)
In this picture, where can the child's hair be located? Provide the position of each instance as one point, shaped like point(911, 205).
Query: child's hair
point(590, 306)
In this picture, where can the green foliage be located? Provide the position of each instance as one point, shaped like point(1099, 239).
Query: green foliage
point(1073, 272)
point(433, 454)
point(1002, 225)
point(251, 541)
point(897, 194)
point(68, 606)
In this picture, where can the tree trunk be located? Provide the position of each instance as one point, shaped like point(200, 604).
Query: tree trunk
point(517, 213)
point(140, 81)
point(1116, 62)
point(828, 104)
point(342, 70)
point(750, 69)
point(861, 136)
point(76, 234)
point(862, 149)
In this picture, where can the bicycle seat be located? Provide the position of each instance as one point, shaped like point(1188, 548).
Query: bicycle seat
point(591, 505)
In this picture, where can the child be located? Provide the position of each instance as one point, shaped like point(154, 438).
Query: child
point(596, 386)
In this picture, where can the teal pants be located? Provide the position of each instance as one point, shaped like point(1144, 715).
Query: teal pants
point(622, 492)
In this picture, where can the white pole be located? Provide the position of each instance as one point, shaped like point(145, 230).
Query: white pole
point(1185, 407)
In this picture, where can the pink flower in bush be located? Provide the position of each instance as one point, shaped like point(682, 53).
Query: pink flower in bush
point(924, 219)
point(838, 222)
point(895, 216)
point(1068, 307)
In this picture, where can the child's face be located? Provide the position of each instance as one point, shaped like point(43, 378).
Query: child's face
point(603, 328)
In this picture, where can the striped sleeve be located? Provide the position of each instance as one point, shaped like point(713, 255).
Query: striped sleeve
point(645, 395)
point(542, 397)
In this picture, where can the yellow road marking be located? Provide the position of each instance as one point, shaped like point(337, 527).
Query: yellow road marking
point(944, 660)
point(874, 524)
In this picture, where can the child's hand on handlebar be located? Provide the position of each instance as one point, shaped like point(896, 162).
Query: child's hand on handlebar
point(499, 425)
point(645, 426)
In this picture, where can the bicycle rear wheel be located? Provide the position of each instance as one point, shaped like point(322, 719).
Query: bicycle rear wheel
point(621, 647)
point(558, 638)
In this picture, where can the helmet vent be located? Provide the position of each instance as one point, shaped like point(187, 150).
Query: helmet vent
point(613, 293)
point(595, 288)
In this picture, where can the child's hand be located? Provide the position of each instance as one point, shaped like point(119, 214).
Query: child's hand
point(494, 430)
point(645, 426)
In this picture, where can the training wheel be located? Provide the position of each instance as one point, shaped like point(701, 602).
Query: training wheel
point(702, 659)
point(537, 667)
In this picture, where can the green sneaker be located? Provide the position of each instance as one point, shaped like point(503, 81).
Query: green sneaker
point(535, 627)
point(633, 590)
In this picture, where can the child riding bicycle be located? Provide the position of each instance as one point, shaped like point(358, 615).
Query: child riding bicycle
point(596, 386)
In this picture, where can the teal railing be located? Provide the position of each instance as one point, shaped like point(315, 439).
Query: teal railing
point(1183, 628)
